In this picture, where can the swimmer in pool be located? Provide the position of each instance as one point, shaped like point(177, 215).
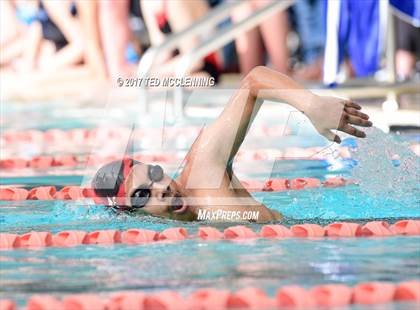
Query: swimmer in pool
point(207, 185)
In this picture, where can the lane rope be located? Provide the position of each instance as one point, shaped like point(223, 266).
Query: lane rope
point(86, 135)
point(75, 192)
point(67, 160)
point(70, 238)
point(286, 297)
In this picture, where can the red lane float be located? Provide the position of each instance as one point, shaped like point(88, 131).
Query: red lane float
point(208, 299)
point(164, 300)
point(44, 302)
point(65, 160)
point(126, 301)
point(70, 238)
point(308, 230)
point(84, 302)
point(289, 297)
point(137, 236)
point(294, 297)
point(251, 298)
point(71, 193)
point(343, 229)
point(104, 237)
point(373, 293)
point(302, 183)
point(376, 228)
point(335, 182)
point(275, 231)
point(176, 233)
point(41, 162)
point(408, 291)
point(13, 163)
point(9, 241)
point(7, 304)
point(276, 185)
point(77, 192)
point(239, 232)
point(331, 295)
point(406, 227)
point(13, 193)
point(209, 233)
point(42, 193)
point(36, 239)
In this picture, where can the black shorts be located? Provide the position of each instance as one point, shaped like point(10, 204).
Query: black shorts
point(51, 32)
point(408, 37)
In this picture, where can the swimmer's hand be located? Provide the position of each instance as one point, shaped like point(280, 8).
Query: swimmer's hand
point(329, 113)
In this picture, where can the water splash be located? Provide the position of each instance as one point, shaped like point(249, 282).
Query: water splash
point(385, 167)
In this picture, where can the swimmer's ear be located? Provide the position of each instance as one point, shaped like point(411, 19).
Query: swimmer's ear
point(331, 136)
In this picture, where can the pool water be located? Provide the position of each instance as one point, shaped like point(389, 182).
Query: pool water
point(188, 265)
point(192, 264)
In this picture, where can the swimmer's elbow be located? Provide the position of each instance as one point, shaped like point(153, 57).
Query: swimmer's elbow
point(276, 216)
point(252, 80)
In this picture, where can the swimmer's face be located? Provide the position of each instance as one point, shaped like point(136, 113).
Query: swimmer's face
point(162, 198)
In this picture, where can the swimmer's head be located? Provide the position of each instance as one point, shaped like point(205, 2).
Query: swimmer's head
point(131, 186)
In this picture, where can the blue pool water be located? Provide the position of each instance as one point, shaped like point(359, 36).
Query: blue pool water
point(188, 265)
point(382, 192)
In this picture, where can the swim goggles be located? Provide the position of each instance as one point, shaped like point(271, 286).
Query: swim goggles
point(141, 195)
point(120, 171)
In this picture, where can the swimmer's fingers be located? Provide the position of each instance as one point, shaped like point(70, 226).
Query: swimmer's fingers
point(331, 136)
point(352, 131)
point(355, 112)
point(351, 104)
point(355, 120)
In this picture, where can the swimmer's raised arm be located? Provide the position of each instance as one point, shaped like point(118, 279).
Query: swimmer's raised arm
point(227, 133)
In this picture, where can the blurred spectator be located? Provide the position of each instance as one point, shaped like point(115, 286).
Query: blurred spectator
point(408, 36)
point(274, 34)
point(163, 17)
point(89, 20)
point(20, 35)
point(408, 49)
point(51, 36)
point(61, 26)
point(310, 21)
point(116, 36)
point(10, 27)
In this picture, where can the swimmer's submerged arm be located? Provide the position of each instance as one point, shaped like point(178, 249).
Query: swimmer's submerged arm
point(227, 133)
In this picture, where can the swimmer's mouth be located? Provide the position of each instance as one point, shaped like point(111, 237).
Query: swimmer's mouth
point(178, 205)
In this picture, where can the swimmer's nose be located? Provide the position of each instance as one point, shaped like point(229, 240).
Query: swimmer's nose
point(162, 193)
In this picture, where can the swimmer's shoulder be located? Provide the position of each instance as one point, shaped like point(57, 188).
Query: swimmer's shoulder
point(277, 216)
